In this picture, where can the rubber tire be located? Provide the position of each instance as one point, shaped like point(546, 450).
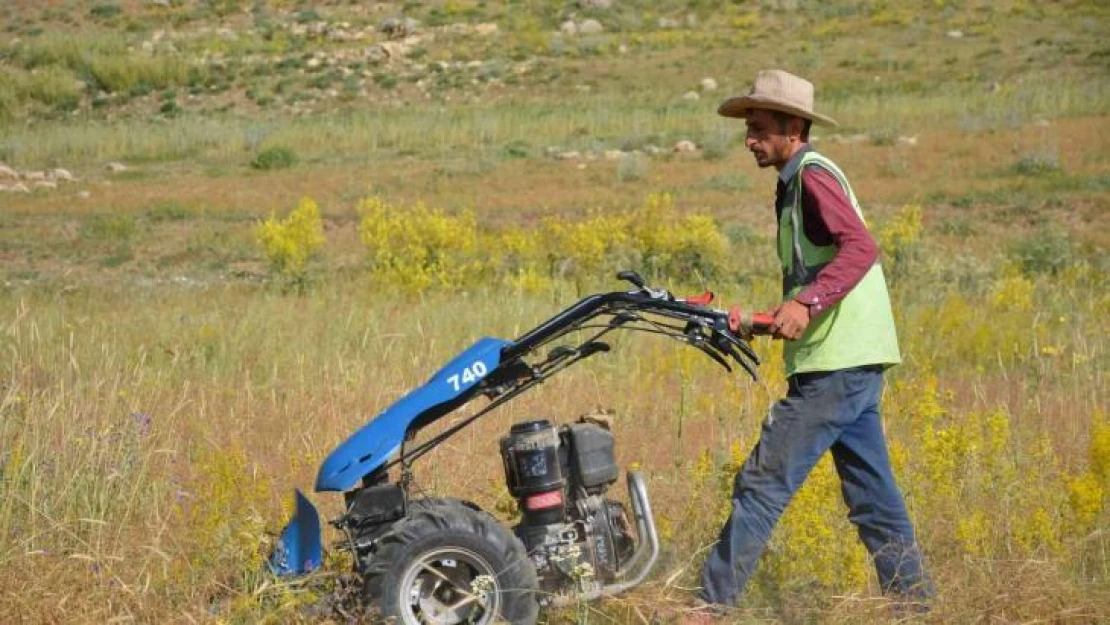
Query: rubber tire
point(432, 524)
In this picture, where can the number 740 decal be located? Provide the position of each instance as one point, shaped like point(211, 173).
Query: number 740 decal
point(469, 375)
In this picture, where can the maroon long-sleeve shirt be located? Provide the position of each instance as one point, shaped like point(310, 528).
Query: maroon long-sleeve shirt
point(829, 219)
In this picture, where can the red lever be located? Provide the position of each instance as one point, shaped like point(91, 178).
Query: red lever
point(701, 300)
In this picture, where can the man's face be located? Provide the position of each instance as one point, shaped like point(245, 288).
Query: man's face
point(768, 141)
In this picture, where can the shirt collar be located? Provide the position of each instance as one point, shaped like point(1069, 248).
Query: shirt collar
point(791, 167)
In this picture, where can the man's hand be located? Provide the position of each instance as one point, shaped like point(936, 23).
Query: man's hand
point(791, 320)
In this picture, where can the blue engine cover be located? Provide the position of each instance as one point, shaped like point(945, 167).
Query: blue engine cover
point(378, 441)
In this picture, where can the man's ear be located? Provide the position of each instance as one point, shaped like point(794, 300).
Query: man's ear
point(796, 127)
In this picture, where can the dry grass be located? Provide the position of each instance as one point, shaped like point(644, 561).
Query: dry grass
point(149, 448)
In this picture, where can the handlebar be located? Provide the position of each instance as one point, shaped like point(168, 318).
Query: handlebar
point(722, 335)
point(739, 322)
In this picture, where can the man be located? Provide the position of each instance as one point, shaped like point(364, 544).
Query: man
point(839, 332)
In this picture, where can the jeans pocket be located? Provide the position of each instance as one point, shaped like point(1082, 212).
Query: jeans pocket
point(822, 386)
point(861, 381)
point(817, 397)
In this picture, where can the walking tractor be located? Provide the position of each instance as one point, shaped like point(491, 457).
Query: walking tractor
point(443, 560)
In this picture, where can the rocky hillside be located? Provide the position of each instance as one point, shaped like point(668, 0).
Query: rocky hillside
point(166, 58)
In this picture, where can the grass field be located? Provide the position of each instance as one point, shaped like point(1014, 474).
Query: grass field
point(170, 374)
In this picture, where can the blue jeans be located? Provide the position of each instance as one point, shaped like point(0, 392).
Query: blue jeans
point(836, 411)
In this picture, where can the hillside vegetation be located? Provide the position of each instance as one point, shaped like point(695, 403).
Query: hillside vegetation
point(232, 231)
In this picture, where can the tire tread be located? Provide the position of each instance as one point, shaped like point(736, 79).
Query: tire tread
point(438, 516)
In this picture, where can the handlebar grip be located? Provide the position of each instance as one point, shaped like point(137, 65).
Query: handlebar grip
point(748, 324)
point(761, 323)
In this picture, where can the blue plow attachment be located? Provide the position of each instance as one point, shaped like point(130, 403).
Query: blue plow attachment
point(298, 550)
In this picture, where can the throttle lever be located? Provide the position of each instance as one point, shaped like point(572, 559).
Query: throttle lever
point(723, 343)
point(695, 338)
point(722, 328)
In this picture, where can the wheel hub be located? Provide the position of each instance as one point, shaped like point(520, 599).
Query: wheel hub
point(450, 586)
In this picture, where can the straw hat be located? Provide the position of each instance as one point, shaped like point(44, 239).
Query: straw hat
point(777, 90)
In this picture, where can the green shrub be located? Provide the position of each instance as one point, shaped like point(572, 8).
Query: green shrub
point(105, 11)
point(139, 90)
point(259, 97)
point(276, 157)
point(1048, 250)
point(307, 15)
point(1037, 163)
point(322, 81)
point(717, 145)
point(53, 86)
point(137, 26)
point(632, 167)
point(125, 74)
point(386, 81)
point(518, 148)
point(65, 49)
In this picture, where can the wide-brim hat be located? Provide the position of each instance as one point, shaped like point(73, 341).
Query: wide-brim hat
point(776, 90)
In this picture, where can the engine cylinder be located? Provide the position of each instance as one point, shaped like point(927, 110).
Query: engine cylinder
point(534, 471)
